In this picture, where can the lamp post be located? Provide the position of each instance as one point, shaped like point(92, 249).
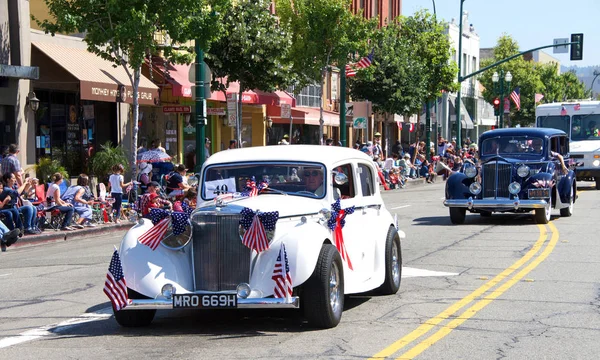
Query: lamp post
point(428, 114)
point(33, 102)
point(501, 79)
point(596, 74)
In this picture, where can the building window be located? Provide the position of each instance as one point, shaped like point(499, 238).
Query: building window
point(309, 96)
point(362, 4)
point(375, 8)
point(390, 10)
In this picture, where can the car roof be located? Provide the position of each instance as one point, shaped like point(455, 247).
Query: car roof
point(327, 155)
point(522, 131)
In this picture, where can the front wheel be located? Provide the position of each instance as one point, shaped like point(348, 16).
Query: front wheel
point(134, 318)
point(568, 211)
point(393, 263)
point(597, 183)
point(457, 215)
point(542, 216)
point(324, 290)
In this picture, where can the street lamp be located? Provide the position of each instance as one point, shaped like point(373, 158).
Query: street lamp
point(33, 102)
point(502, 78)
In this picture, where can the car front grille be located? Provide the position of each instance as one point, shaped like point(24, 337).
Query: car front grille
point(221, 261)
point(496, 178)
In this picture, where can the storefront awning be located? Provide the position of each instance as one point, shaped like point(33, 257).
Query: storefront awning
point(255, 97)
point(304, 116)
point(98, 79)
point(176, 76)
point(465, 118)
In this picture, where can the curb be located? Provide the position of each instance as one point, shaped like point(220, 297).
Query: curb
point(54, 236)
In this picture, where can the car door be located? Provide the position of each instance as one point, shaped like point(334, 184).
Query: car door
point(563, 182)
point(354, 231)
point(371, 213)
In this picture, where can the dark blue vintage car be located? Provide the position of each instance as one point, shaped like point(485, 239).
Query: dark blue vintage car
point(519, 170)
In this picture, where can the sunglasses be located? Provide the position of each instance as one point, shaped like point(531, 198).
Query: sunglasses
point(312, 173)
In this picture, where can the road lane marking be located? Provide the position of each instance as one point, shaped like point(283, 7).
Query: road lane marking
point(50, 330)
point(400, 207)
point(475, 308)
point(452, 309)
point(408, 272)
point(5, 274)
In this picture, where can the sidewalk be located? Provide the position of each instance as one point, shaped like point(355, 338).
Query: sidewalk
point(50, 235)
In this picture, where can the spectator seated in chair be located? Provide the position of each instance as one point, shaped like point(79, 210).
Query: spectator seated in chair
point(176, 184)
point(54, 202)
point(9, 200)
point(151, 199)
point(81, 198)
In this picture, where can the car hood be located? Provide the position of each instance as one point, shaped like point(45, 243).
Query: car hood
point(287, 205)
point(584, 146)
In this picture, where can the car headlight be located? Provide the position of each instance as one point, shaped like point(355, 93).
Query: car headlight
point(514, 188)
point(523, 171)
point(596, 163)
point(471, 171)
point(176, 242)
point(475, 188)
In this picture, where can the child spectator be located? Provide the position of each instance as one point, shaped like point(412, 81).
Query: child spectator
point(152, 200)
point(116, 184)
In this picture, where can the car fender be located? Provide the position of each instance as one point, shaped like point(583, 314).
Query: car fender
point(147, 271)
point(303, 242)
point(457, 186)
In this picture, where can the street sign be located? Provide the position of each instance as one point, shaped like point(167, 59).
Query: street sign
point(561, 49)
point(359, 123)
point(232, 109)
point(286, 111)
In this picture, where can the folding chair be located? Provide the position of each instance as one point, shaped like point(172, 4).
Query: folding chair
point(47, 216)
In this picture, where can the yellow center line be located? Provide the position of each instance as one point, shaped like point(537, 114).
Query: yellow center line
point(451, 310)
point(470, 312)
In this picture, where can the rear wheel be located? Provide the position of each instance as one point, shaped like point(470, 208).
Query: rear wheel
point(568, 211)
point(393, 263)
point(324, 290)
point(457, 215)
point(134, 318)
point(597, 183)
point(542, 216)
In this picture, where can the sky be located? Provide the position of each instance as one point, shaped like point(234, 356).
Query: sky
point(532, 23)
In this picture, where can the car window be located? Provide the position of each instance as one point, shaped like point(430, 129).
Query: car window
point(555, 144)
point(564, 145)
point(366, 180)
point(344, 191)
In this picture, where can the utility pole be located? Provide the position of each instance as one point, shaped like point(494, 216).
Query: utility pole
point(460, 36)
point(200, 110)
point(343, 137)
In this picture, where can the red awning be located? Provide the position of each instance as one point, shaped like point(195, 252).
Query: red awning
point(256, 97)
point(304, 116)
point(177, 75)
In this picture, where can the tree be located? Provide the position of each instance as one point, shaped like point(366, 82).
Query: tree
point(524, 75)
point(325, 32)
point(123, 32)
point(253, 53)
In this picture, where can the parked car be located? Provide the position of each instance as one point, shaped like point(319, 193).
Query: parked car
point(327, 231)
point(519, 171)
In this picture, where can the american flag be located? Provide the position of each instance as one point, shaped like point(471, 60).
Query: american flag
point(281, 275)
point(563, 111)
point(365, 62)
point(155, 234)
point(515, 95)
point(577, 107)
point(538, 98)
point(114, 286)
point(256, 226)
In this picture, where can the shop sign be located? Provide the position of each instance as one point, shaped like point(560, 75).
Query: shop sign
point(177, 109)
point(97, 91)
point(286, 111)
point(232, 109)
point(216, 111)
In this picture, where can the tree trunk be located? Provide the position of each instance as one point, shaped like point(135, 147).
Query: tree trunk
point(136, 111)
point(238, 131)
point(321, 120)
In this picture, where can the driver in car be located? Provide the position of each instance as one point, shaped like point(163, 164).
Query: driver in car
point(538, 147)
point(313, 180)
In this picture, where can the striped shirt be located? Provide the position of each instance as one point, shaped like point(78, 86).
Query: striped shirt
point(10, 164)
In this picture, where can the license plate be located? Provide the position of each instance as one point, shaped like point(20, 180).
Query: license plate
point(539, 193)
point(205, 301)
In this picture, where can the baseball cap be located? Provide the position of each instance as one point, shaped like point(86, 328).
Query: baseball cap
point(153, 183)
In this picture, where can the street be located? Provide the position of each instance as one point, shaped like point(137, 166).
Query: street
point(499, 287)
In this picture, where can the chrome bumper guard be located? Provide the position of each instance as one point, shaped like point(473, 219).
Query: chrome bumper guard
point(249, 303)
point(515, 203)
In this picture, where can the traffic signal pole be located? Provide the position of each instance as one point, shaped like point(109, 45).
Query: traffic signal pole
point(200, 109)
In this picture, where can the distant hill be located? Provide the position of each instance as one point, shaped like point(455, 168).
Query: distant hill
point(586, 75)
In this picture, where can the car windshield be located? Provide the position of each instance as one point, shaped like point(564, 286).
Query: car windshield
point(585, 127)
point(512, 145)
point(299, 179)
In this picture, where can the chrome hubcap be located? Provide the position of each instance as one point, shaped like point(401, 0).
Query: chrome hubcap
point(395, 263)
point(334, 288)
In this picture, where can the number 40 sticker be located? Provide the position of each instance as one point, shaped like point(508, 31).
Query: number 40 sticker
point(214, 188)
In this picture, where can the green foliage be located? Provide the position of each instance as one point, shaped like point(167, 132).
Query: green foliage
point(253, 49)
point(411, 64)
point(325, 32)
point(47, 167)
point(122, 32)
point(101, 163)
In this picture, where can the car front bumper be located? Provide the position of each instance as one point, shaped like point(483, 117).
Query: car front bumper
point(491, 204)
point(587, 173)
point(248, 303)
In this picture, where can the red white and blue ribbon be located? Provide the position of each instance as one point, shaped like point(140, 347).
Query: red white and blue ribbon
point(336, 222)
point(256, 226)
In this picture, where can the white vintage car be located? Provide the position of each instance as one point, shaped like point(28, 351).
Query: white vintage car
point(295, 226)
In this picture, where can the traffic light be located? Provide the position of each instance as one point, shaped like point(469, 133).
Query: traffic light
point(577, 49)
point(493, 127)
point(496, 107)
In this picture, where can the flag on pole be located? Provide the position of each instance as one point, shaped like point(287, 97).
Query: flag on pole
point(114, 286)
point(577, 107)
point(538, 98)
point(399, 123)
point(281, 275)
point(411, 127)
point(563, 111)
point(155, 234)
point(515, 95)
point(365, 62)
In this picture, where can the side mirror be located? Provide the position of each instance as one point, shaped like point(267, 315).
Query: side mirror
point(340, 178)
